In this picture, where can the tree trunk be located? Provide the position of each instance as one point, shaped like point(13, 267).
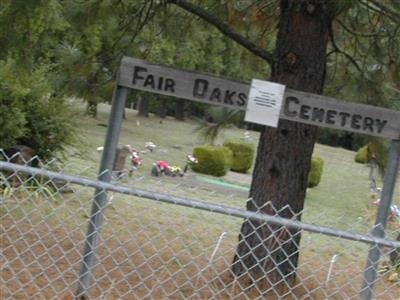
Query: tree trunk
point(284, 153)
point(162, 110)
point(143, 107)
point(180, 109)
point(130, 103)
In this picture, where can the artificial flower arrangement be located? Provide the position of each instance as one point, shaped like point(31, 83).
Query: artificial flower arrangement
point(163, 167)
point(190, 161)
point(136, 160)
point(159, 167)
point(394, 215)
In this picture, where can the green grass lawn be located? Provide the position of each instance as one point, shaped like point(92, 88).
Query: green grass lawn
point(342, 198)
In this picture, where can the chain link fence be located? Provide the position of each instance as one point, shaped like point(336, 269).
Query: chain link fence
point(159, 242)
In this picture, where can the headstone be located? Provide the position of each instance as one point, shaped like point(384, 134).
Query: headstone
point(120, 158)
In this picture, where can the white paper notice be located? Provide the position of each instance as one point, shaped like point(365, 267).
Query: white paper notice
point(264, 103)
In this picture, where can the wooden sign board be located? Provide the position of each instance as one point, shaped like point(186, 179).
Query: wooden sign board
point(298, 106)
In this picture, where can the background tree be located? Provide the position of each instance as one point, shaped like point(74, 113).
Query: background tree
point(363, 63)
point(99, 33)
point(32, 112)
point(198, 47)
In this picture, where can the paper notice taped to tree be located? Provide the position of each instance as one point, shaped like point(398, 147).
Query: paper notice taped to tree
point(264, 102)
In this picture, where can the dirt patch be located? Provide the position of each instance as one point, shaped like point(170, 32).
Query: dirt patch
point(43, 262)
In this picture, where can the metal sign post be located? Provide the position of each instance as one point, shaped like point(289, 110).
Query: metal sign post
point(100, 196)
point(381, 220)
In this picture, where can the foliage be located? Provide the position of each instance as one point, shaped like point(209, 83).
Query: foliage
point(317, 166)
point(362, 155)
point(29, 30)
point(98, 34)
point(364, 59)
point(12, 118)
point(221, 118)
point(32, 110)
point(212, 160)
point(377, 148)
point(380, 148)
point(243, 154)
point(31, 113)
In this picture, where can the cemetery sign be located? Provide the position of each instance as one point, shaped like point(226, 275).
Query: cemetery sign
point(297, 106)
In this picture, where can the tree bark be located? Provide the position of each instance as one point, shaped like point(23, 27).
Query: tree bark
point(180, 109)
point(162, 110)
point(283, 160)
point(143, 107)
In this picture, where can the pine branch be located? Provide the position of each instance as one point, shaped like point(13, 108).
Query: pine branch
point(224, 28)
point(360, 34)
point(382, 9)
point(386, 9)
point(338, 50)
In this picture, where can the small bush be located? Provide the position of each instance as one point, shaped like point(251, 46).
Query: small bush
point(317, 166)
point(32, 113)
point(243, 154)
point(379, 150)
point(375, 152)
point(212, 160)
point(362, 155)
point(228, 157)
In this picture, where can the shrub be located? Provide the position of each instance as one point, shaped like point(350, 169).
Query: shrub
point(379, 149)
point(317, 166)
point(243, 154)
point(362, 155)
point(49, 126)
point(228, 157)
point(212, 160)
point(31, 113)
point(376, 150)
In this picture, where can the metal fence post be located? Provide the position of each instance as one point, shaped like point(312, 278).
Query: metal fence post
point(100, 197)
point(381, 220)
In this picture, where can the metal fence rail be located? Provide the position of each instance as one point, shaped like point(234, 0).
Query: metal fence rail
point(154, 245)
point(198, 204)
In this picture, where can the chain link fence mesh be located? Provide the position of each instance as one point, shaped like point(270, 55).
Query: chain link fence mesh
point(150, 249)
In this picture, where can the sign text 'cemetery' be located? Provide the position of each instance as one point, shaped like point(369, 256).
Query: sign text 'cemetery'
point(297, 106)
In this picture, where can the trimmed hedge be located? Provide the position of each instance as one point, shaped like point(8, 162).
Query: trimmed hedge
point(362, 155)
point(317, 166)
point(212, 160)
point(243, 154)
